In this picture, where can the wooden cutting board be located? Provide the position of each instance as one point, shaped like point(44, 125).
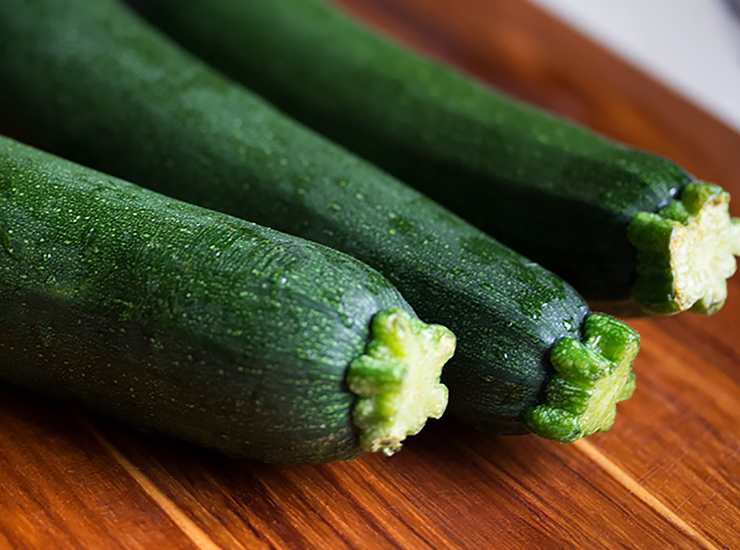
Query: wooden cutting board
point(666, 475)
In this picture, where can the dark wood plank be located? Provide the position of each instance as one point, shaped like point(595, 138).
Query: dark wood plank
point(448, 488)
point(686, 425)
point(59, 488)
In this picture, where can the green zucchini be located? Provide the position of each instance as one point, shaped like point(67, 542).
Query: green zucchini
point(212, 329)
point(623, 226)
point(101, 87)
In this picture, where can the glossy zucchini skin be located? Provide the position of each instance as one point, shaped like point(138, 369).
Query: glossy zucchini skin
point(174, 318)
point(103, 88)
point(554, 191)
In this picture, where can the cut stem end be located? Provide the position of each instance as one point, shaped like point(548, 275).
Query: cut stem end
point(590, 378)
point(686, 252)
point(398, 379)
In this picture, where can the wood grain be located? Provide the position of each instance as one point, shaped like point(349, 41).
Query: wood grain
point(60, 489)
point(666, 475)
point(445, 489)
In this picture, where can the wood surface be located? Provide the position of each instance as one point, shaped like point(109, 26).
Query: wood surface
point(665, 476)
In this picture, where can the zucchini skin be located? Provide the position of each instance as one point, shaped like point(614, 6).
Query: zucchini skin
point(126, 101)
point(174, 318)
point(554, 191)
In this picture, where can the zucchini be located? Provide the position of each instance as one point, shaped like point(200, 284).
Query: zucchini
point(623, 226)
point(193, 323)
point(127, 101)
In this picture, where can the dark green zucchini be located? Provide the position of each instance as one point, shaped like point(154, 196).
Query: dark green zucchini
point(212, 329)
point(102, 87)
point(621, 225)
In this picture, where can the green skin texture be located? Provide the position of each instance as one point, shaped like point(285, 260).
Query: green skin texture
point(552, 190)
point(103, 88)
point(175, 318)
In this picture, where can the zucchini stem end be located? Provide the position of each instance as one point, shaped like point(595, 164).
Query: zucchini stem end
point(397, 379)
point(686, 252)
point(591, 377)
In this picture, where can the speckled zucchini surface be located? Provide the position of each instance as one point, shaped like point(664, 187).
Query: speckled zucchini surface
point(580, 204)
point(209, 328)
point(102, 87)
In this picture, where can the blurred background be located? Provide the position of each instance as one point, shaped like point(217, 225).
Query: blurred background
point(692, 45)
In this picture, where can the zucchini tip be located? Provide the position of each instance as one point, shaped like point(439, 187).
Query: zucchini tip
point(686, 252)
point(397, 379)
point(590, 378)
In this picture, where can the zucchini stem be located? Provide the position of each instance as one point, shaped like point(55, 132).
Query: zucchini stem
point(686, 252)
point(590, 378)
point(398, 379)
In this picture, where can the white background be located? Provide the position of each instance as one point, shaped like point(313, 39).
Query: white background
point(692, 45)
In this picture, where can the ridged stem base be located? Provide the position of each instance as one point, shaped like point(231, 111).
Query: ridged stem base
point(686, 252)
point(591, 377)
point(398, 379)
